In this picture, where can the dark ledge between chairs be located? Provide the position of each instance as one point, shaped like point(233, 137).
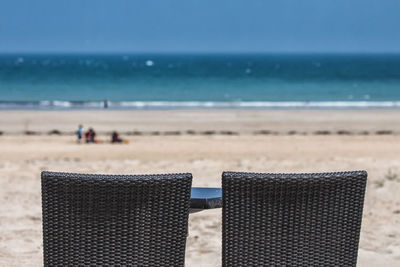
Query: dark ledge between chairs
point(203, 198)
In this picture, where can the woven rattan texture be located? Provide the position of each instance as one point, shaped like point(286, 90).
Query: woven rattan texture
point(292, 219)
point(135, 220)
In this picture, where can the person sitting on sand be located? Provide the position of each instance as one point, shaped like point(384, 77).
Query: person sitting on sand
point(115, 138)
point(90, 136)
point(79, 133)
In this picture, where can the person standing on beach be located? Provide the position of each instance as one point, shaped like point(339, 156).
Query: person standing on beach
point(79, 133)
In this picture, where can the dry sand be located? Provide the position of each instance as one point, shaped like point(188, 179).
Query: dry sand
point(23, 157)
point(242, 121)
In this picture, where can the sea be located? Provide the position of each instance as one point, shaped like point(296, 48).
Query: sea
point(199, 81)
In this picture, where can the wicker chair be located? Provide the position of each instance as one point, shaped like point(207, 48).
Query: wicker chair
point(136, 220)
point(292, 219)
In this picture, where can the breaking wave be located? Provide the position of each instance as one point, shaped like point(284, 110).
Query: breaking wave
point(60, 105)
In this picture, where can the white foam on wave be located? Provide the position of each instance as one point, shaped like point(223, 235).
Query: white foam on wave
point(66, 104)
point(257, 104)
point(58, 104)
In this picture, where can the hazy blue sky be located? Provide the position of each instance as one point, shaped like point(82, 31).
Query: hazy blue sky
point(200, 25)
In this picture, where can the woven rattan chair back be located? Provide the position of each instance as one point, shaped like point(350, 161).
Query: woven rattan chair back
point(135, 220)
point(292, 219)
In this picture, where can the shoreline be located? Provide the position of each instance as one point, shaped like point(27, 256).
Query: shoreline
point(65, 105)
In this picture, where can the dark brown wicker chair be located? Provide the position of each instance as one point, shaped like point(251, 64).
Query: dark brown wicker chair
point(136, 220)
point(292, 219)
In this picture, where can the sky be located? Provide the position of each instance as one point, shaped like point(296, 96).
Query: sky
point(173, 26)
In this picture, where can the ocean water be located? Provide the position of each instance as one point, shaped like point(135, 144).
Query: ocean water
point(199, 81)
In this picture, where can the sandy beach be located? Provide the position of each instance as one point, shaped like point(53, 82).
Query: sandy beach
point(202, 121)
point(204, 143)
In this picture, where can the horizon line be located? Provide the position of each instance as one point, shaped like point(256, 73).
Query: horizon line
point(199, 52)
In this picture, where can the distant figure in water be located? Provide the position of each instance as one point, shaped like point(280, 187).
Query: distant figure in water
point(79, 133)
point(115, 138)
point(105, 103)
point(90, 136)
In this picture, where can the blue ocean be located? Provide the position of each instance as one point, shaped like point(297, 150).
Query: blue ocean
point(200, 81)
